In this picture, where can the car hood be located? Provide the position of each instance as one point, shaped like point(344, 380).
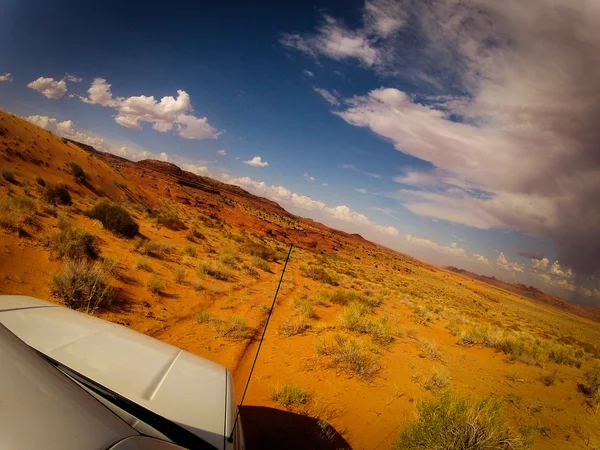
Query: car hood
point(186, 389)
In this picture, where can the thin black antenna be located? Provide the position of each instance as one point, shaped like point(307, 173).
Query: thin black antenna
point(230, 438)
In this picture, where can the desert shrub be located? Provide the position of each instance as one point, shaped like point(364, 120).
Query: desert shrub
point(8, 175)
point(430, 350)
point(155, 284)
point(291, 327)
point(514, 376)
point(234, 328)
point(215, 271)
point(351, 355)
point(592, 387)
point(261, 264)
point(179, 275)
point(549, 378)
point(288, 395)
point(143, 264)
point(203, 317)
point(77, 171)
point(114, 218)
point(454, 422)
point(110, 266)
point(436, 381)
point(39, 180)
point(170, 220)
point(353, 318)
point(82, 284)
point(229, 258)
point(155, 249)
point(188, 250)
point(57, 195)
point(250, 271)
point(320, 274)
point(194, 234)
point(304, 308)
point(259, 250)
point(74, 243)
point(16, 212)
point(381, 331)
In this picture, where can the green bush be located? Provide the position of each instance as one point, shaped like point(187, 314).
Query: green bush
point(455, 423)
point(114, 218)
point(77, 171)
point(82, 284)
point(74, 243)
point(57, 195)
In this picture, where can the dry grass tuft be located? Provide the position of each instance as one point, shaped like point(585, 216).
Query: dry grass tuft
point(288, 395)
point(216, 271)
point(291, 327)
point(351, 355)
point(155, 284)
point(82, 285)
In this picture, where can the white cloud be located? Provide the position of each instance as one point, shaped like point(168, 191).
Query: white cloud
point(68, 130)
point(283, 195)
point(256, 162)
point(49, 87)
point(539, 265)
point(559, 271)
point(308, 73)
point(73, 78)
point(505, 264)
point(325, 184)
point(6, 77)
point(447, 250)
point(168, 114)
point(328, 96)
point(361, 190)
point(221, 152)
point(309, 177)
point(481, 259)
point(195, 169)
point(131, 153)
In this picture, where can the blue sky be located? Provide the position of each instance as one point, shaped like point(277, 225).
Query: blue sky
point(397, 121)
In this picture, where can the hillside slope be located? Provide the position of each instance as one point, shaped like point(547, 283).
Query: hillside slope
point(362, 331)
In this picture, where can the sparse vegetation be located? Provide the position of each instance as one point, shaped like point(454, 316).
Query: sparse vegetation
point(155, 249)
point(179, 275)
point(114, 218)
point(234, 328)
point(454, 422)
point(170, 220)
point(291, 327)
point(215, 271)
point(77, 171)
point(203, 317)
point(155, 285)
point(430, 350)
point(74, 243)
point(320, 274)
point(188, 250)
point(39, 180)
point(82, 285)
point(17, 212)
point(259, 251)
point(437, 380)
point(304, 308)
point(288, 395)
point(549, 378)
point(592, 387)
point(261, 264)
point(229, 258)
point(143, 264)
point(351, 355)
point(194, 234)
point(57, 195)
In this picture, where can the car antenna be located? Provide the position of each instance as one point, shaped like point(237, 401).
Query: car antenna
point(230, 438)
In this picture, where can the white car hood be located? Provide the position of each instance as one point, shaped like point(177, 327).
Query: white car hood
point(186, 389)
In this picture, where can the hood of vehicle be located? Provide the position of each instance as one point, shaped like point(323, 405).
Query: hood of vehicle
point(186, 389)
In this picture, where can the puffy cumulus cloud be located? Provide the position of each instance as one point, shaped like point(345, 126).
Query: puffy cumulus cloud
point(333, 39)
point(505, 264)
point(49, 87)
point(559, 271)
point(256, 162)
point(221, 152)
point(452, 250)
point(330, 97)
point(481, 259)
point(68, 130)
point(168, 114)
point(283, 195)
point(6, 77)
point(518, 148)
point(195, 169)
point(132, 154)
point(539, 265)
